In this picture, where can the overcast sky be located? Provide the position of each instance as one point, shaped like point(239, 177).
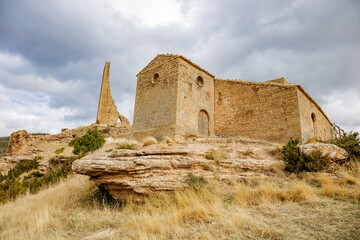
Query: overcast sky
point(52, 53)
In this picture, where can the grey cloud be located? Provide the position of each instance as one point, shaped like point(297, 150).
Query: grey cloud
point(314, 43)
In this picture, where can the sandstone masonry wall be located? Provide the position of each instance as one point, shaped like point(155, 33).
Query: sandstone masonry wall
point(320, 128)
point(193, 97)
point(260, 110)
point(156, 97)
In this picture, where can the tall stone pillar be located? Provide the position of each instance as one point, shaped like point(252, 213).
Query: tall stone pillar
point(107, 111)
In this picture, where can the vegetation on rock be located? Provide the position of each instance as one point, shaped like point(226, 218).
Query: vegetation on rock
point(89, 142)
point(149, 141)
point(351, 143)
point(217, 155)
point(298, 162)
point(22, 178)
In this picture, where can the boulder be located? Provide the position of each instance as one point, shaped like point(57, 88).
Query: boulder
point(334, 152)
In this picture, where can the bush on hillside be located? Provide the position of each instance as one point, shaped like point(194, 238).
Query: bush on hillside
point(351, 143)
point(89, 142)
point(13, 186)
point(298, 162)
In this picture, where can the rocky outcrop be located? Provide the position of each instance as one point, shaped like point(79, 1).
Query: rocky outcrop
point(17, 141)
point(23, 146)
point(129, 174)
point(334, 152)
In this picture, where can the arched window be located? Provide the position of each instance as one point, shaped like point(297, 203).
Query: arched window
point(313, 118)
point(203, 123)
point(155, 78)
point(200, 81)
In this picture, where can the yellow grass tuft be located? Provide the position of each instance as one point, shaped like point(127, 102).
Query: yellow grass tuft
point(192, 135)
point(217, 155)
point(149, 141)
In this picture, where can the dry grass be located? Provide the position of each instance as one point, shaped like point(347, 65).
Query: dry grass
point(275, 152)
point(192, 135)
point(217, 155)
point(167, 140)
point(149, 141)
point(271, 208)
point(163, 146)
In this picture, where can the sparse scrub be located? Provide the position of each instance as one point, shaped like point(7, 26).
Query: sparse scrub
point(13, 185)
point(59, 151)
point(192, 135)
point(128, 144)
point(109, 150)
point(149, 141)
point(297, 162)
point(217, 155)
point(90, 141)
point(248, 152)
point(351, 143)
point(67, 210)
point(275, 152)
point(196, 182)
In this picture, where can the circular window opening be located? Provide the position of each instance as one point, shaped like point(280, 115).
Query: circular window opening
point(200, 81)
point(155, 78)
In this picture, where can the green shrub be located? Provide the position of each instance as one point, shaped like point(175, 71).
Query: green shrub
point(60, 150)
point(90, 141)
point(22, 167)
point(196, 182)
point(13, 186)
point(298, 162)
point(351, 143)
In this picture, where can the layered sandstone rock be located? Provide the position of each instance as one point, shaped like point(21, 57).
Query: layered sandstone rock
point(135, 174)
point(17, 141)
point(23, 146)
point(334, 152)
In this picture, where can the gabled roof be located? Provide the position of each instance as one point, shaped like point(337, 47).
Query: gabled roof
point(173, 56)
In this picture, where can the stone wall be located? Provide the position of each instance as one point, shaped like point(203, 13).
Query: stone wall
point(321, 127)
point(193, 97)
point(260, 110)
point(156, 96)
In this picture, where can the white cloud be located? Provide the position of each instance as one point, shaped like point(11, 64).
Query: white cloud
point(343, 108)
point(31, 111)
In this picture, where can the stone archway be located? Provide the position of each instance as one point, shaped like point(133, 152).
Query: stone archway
point(203, 123)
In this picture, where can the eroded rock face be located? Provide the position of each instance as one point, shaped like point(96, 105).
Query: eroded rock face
point(17, 141)
point(129, 174)
point(334, 152)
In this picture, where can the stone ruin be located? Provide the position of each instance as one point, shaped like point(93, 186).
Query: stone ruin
point(107, 110)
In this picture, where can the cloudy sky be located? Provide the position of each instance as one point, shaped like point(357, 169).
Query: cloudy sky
point(52, 53)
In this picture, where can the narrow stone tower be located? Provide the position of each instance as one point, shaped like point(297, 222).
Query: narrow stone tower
point(107, 111)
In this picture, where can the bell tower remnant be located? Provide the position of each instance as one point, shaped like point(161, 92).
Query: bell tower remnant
point(107, 110)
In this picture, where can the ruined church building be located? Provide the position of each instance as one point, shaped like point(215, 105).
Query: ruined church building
point(175, 97)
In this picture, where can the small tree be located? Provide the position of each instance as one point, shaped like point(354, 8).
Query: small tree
point(297, 161)
point(90, 141)
point(351, 143)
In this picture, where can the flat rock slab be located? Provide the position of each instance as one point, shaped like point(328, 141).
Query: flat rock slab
point(138, 173)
